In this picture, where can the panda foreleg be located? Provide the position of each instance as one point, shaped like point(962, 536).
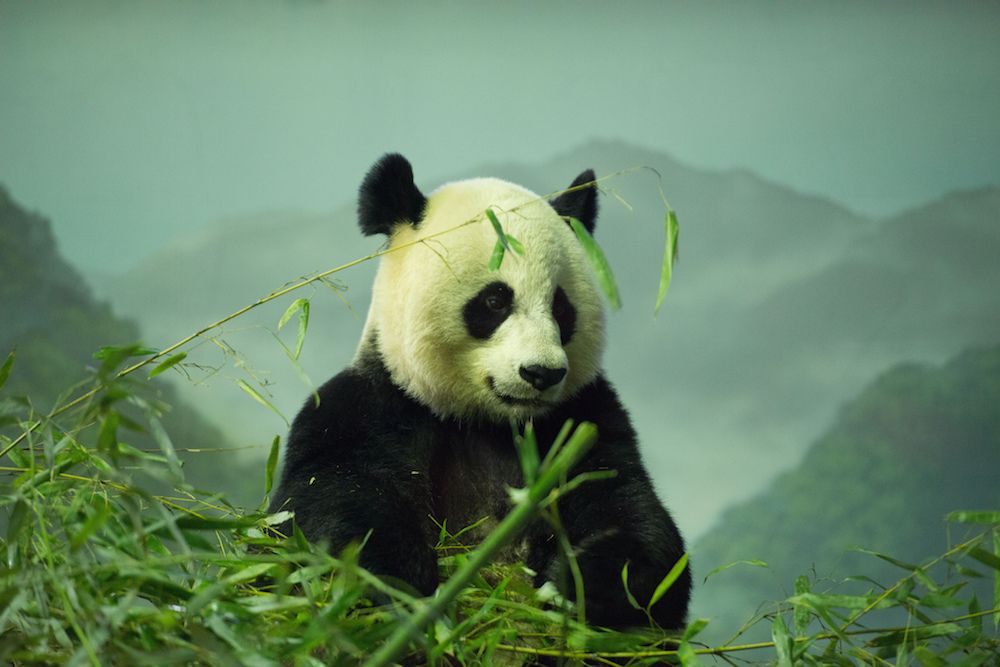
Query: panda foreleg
point(613, 521)
point(352, 476)
point(621, 522)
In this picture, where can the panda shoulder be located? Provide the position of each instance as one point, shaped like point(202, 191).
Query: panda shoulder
point(598, 402)
point(342, 405)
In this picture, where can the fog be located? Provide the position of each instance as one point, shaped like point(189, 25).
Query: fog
point(168, 143)
point(130, 123)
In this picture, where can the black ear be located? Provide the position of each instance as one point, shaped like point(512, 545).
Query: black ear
point(582, 203)
point(388, 196)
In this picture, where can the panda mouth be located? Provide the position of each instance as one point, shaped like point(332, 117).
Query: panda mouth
point(514, 400)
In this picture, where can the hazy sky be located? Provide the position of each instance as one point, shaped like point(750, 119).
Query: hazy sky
point(128, 123)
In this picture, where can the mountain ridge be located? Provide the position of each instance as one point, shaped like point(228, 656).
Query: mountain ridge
point(917, 442)
point(718, 385)
point(56, 327)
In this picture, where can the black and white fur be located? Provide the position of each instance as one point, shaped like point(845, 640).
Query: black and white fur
point(451, 354)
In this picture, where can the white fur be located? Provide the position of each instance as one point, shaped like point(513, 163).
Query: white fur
point(422, 287)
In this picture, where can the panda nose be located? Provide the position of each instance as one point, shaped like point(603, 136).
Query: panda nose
point(541, 377)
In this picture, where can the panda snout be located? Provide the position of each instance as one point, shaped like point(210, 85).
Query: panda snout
point(541, 377)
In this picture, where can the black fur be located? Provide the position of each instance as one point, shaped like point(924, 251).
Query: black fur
point(564, 314)
point(388, 196)
point(580, 204)
point(485, 312)
point(369, 458)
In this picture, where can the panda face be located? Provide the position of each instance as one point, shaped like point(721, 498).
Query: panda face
point(472, 343)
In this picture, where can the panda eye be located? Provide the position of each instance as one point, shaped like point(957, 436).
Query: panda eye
point(498, 297)
point(488, 309)
point(496, 303)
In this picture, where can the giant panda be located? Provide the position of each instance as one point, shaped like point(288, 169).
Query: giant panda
point(452, 353)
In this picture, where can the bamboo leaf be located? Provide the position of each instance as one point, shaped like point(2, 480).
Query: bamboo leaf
point(819, 601)
point(917, 633)
point(902, 656)
point(93, 523)
point(496, 259)
point(16, 522)
point(996, 580)
point(668, 580)
point(293, 308)
point(113, 352)
point(722, 568)
point(671, 229)
point(5, 369)
point(974, 517)
point(255, 395)
point(191, 522)
point(168, 363)
point(166, 446)
point(889, 559)
point(515, 245)
point(303, 327)
point(527, 452)
point(605, 278)
point(782, 642)
point(694, 628)
point(112, 356)
point(985, 557)
point(497, 228)
point(628, 593)
point(687, 655)
point(801, 614)
point(107, 435)
point(272, 463)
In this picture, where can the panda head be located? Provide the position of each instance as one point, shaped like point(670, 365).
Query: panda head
point(465, 341)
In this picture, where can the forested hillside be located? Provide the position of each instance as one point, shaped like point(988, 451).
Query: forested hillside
point(48, 315)
point(741, 237)
point(917, 443)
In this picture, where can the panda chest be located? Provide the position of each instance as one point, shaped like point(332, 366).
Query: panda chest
point(471, 472)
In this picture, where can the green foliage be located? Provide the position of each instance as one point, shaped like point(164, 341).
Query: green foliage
point(504, 243)
point(110, 556)
point(918, 442)
point(602, 269)
point(671, 231)
point(301, 306)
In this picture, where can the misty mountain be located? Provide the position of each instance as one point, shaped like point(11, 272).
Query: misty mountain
point(917, 443)
point(50, 316)
point(726, 385)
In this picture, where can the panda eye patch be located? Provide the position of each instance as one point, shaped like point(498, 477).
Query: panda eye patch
point(488, 309)
point(564, 314)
